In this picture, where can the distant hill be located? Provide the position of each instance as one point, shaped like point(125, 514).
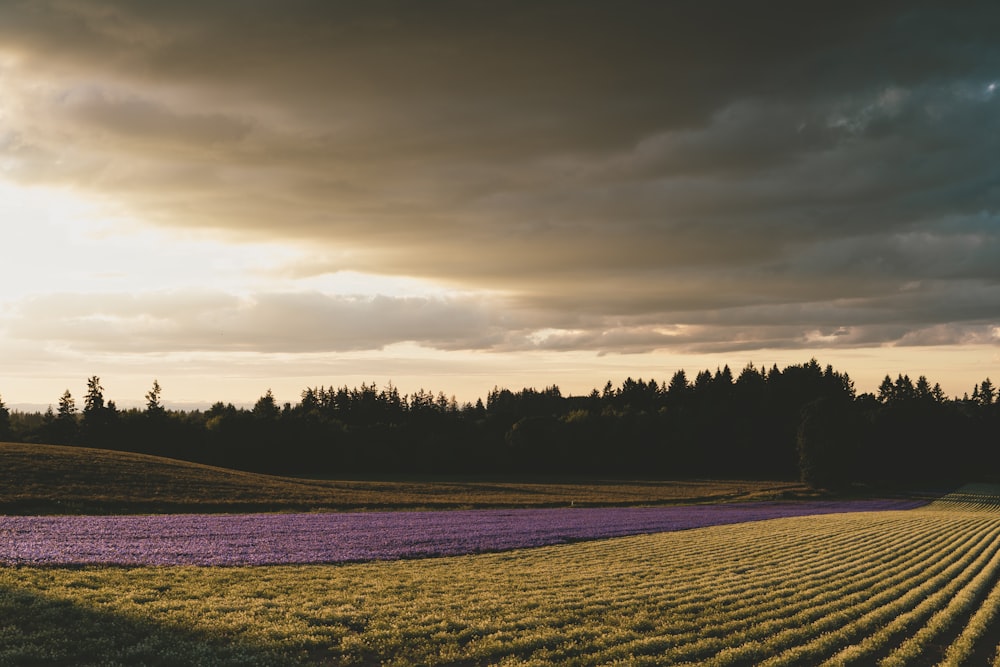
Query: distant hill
point(52, 479)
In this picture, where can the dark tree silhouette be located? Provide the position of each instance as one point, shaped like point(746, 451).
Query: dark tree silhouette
point(153, 405)
point(987, 394)
point(100, 419)
point(5, 426)
point(803, 421)
point(65, 425)
point(266, 408)
point(826, 443)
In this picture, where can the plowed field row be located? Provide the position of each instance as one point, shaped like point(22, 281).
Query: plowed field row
point(916, 587)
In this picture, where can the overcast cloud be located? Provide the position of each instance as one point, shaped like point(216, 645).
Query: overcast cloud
point(610, 177)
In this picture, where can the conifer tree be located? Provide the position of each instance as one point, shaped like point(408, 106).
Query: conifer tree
point(5, 430)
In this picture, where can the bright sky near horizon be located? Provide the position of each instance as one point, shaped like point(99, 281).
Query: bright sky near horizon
point(231, 196)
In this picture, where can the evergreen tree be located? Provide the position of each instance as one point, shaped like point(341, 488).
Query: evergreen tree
point(97, 417)
point(903, 389)
point(153, 405)
point(987, 394)
point(266, 407)
point(923, 389)
point(751, 377)
point(65, 425)
point(93, 402)
point(67, 406)
point(678, 384)
point(886, 390)
point(702, 381)
point(5, 429)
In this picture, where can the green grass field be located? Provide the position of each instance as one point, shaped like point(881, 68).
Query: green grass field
point(893, 588)
point(49, 479)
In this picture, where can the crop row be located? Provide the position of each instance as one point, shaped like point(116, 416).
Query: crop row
point(267, 539)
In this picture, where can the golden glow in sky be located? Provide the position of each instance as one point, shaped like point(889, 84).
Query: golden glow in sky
point(321, 194)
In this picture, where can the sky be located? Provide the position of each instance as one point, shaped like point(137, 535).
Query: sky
point(230, 196)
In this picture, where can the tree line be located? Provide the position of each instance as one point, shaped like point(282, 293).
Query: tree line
point(803, 421)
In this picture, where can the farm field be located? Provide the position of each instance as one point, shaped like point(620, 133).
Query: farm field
point(51, 479)
point(316, 538)
point(918, 586)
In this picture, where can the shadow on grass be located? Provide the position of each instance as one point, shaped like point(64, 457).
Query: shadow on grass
point(37, 629)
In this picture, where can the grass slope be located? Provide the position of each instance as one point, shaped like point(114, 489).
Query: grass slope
point(50, 479)
point(889, 588)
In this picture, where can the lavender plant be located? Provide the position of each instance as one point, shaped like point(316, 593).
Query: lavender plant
point(271, 539)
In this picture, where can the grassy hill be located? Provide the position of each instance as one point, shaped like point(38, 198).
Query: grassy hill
point(51, 479)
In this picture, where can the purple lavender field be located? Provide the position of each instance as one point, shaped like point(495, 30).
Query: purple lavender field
point(272, 539)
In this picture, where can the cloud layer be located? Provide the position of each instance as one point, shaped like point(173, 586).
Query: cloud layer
point(689, 176)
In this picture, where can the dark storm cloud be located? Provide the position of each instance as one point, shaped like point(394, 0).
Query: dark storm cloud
point(97, 109)
point(634, 175)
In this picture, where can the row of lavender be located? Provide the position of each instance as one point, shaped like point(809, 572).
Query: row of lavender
point(259, 539)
